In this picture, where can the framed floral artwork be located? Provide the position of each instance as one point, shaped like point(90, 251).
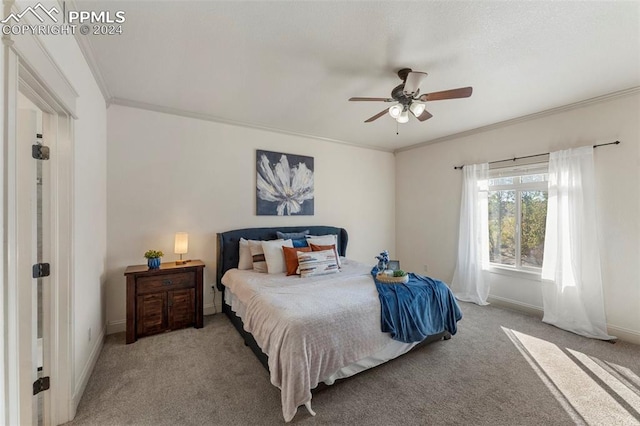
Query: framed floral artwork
point(284, 184)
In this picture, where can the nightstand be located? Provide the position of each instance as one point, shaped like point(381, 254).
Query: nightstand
point(163, 299)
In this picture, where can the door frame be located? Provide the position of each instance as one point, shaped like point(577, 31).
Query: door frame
point(26, 66)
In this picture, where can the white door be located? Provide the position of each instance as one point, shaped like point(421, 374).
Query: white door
point(33, 196)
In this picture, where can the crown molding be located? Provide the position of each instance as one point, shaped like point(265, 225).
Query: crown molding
point(529, 117)
point(207, 117)
point(90, 57)
point(40, 66)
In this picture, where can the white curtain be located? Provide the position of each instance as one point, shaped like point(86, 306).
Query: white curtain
point(571, 279)
point(468, 282)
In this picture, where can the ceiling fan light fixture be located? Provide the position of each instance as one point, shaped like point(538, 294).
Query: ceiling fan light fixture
point(412, 83)
point(406, 97)
point(395, 110)
point(417, 108)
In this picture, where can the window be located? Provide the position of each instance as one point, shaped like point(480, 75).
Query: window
point(517, 207)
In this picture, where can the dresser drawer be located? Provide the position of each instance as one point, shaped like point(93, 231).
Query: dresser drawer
point(165, 282)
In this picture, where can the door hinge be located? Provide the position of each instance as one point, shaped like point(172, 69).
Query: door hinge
point(41, 270)
point(40, 152)
point(42, 384)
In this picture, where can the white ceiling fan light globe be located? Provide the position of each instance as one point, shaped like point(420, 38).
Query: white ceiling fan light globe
point(403, 118)
point(417, 108)
point(395, 110)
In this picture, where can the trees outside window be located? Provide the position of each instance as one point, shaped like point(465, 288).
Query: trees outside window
point(517, 199)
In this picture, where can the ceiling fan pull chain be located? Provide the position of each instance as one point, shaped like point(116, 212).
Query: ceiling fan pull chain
point(397, 128)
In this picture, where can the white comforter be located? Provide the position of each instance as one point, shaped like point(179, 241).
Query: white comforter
point(309, 327)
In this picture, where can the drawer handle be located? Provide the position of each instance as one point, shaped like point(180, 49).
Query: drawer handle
point(167, 282)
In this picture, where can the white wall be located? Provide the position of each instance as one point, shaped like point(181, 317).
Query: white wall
point(168, 173)
point(89, 209)
point(428, 196)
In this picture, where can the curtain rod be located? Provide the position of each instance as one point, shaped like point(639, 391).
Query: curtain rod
point(535, 155)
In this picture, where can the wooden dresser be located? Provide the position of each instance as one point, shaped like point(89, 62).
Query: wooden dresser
point(163, 299)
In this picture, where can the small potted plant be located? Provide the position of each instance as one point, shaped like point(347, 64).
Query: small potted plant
point(153, 258)
point(401, 275)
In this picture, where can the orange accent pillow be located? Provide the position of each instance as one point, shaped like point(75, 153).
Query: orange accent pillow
point(315, 247)
point(291, 258)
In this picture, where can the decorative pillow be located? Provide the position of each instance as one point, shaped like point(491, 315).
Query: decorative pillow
point(274, 256)
point(257, 255)
point(292, 235)
point(317, 263)
point(323, 240)
point(291, 258)
point(302, 242)
point(315, 247)
point(245, 261)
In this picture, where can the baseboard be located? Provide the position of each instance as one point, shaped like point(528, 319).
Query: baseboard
point(516, 305)
point(631, 336)
point(215, 306)
point(210, 309)
point(625, 334)
point(118, 326)
point(86, 373)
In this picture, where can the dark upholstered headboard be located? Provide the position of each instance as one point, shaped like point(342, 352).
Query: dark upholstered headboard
point(229, 243)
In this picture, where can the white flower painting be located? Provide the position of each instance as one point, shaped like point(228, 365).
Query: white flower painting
point(284, 184)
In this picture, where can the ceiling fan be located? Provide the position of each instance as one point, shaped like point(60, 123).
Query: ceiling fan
point(407, 98)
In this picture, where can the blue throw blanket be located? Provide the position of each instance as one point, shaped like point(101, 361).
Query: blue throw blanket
point(420, 308)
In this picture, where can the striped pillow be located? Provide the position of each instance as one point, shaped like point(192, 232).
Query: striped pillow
point(317, 263)
point(257, 254)
point(325, 240)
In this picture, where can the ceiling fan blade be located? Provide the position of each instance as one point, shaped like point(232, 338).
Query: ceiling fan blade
point(378, 115)
point(463, 92)
point(372, 99)
point(424, 116)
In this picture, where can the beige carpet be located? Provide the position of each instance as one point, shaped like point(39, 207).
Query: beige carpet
point(502, 368)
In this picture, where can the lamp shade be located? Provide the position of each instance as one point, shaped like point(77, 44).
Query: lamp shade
point(417, 108)
point(395, 110)
point(404, 117)
point(182, 243)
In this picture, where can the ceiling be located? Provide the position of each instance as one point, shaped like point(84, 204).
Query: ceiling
point(290, 66)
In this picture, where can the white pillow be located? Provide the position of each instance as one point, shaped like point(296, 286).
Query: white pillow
point(245, 261)
point(325, 240)
point(257, 256)
point(274, 255)
point(313, 263)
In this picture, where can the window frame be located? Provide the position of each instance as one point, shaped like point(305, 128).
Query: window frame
point(517, 171)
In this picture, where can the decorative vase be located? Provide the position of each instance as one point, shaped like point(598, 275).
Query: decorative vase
point(153, 263)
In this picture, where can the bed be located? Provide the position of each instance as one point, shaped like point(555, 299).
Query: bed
point(315, 330)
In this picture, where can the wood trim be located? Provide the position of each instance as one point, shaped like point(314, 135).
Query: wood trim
point(11, 348)
point(208, 117)
point(55, 95)
point(199, 294)
point(131, 314)
point(37, 59)
point(89, 56)
point(524, 118)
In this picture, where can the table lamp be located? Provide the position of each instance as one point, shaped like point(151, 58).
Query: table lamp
point(181, 246)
